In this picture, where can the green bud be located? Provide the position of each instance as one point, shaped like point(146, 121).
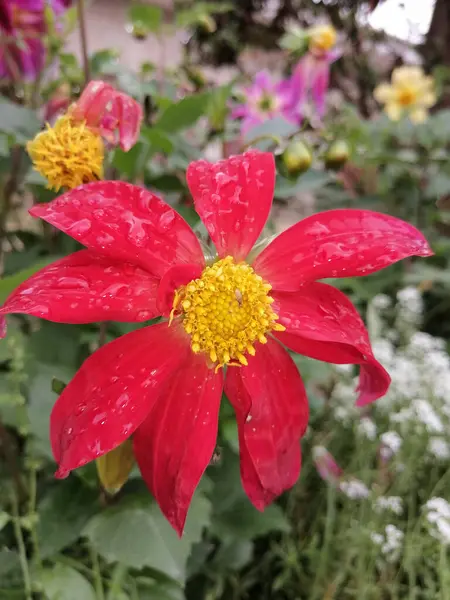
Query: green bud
point(297, 158)
point(207, 24)
point(139, 31)
point(114, 467)
point(337, 155)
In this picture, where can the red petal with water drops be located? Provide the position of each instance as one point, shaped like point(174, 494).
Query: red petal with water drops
point(233, 198)
point(112, 393)
point(322, 323)
point(125, 222)
point(175, 443)
point(174, 278)
point(338, 243)
point(271, 408)
point(86, 287)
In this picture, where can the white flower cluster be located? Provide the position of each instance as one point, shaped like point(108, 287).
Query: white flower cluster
point(388, 503)
point(437, 511)
point(354, 489)
point(390, 542)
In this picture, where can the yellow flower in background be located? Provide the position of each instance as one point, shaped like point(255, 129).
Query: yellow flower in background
point(321, 38)
point(410, 92)
point(67, 154)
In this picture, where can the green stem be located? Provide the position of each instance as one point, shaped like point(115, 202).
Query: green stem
point(329, 522)
point(98, 581)
point(31, 512)
point(83, 39)
point(118, 576)
point(443, 568)
point(21, 546)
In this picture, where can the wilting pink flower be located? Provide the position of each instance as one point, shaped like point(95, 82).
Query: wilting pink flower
point(266, 99)
point(311, 76)
point(115, 115)
point(22, 36)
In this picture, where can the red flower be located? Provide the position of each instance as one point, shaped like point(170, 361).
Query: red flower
point(115, 115)
point(163, 383)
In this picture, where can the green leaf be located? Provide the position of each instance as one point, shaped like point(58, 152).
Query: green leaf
point(63, 512)
point(309, 181)
point(193, 15)
point(19, 121)
point(183, 114)
point(104, 60)
point(9, 560)
point(438, 185)
point(62, 582)
point(234, 517)
point(145, 16)
point(158, 140)
point(136, 534)
point(8, 284)
point(41, 401)
point(277, 127)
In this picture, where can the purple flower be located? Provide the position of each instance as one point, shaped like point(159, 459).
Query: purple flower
point(266, 99)
point(22, 31)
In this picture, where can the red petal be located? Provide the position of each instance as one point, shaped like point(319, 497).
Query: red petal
point(86, 287)
point(233, 198)
point(271, 409)
point(113, 393)
point(125, 222)
point(322, 323)
point(175, 443)
point(175, 277)
point(338, 243)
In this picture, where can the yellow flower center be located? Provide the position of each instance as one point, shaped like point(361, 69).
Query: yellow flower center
point(225, 311)
point(67, 154)
point(406, 96)
point(322, 38)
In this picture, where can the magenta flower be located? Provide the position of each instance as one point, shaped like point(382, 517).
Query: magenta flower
point(266, 99)
point(22, 31)
point(311, 76)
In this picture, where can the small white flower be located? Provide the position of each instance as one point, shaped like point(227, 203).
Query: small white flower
point(390, 543)
point(354, 489)
point(390, 503)
point(439, 448)
point(391, 442)
point(367, 428)
point(411, 299)
point(426, 413)
point(438, 516)
point(377, 538)
point(381, 302)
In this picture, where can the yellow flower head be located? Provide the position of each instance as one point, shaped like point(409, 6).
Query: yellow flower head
point(67, 154)
point(410, 92)
point(322, 38)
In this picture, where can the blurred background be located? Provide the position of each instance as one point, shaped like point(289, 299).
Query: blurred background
point(368, 127)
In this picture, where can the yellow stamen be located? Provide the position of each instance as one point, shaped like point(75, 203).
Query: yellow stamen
point(225, 311)
point(67, 154)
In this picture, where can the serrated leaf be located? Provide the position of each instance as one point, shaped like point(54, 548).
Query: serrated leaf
point(136, 534)
point(63, 512)
point(62, 582)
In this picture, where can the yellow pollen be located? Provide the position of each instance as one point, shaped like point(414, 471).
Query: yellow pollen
point(322, 38)
point(406, 96)
point(225, 311)
point(67, 154)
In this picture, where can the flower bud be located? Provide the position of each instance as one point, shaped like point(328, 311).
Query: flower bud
point(207, 24)
point(297, 158)
point(337, 155)
point(114, 467)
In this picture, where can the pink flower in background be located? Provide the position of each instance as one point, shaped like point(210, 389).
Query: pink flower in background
point(266, 99)
point(113, 114)
point(23, 28)
point(326, 466)
point(311, 76)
